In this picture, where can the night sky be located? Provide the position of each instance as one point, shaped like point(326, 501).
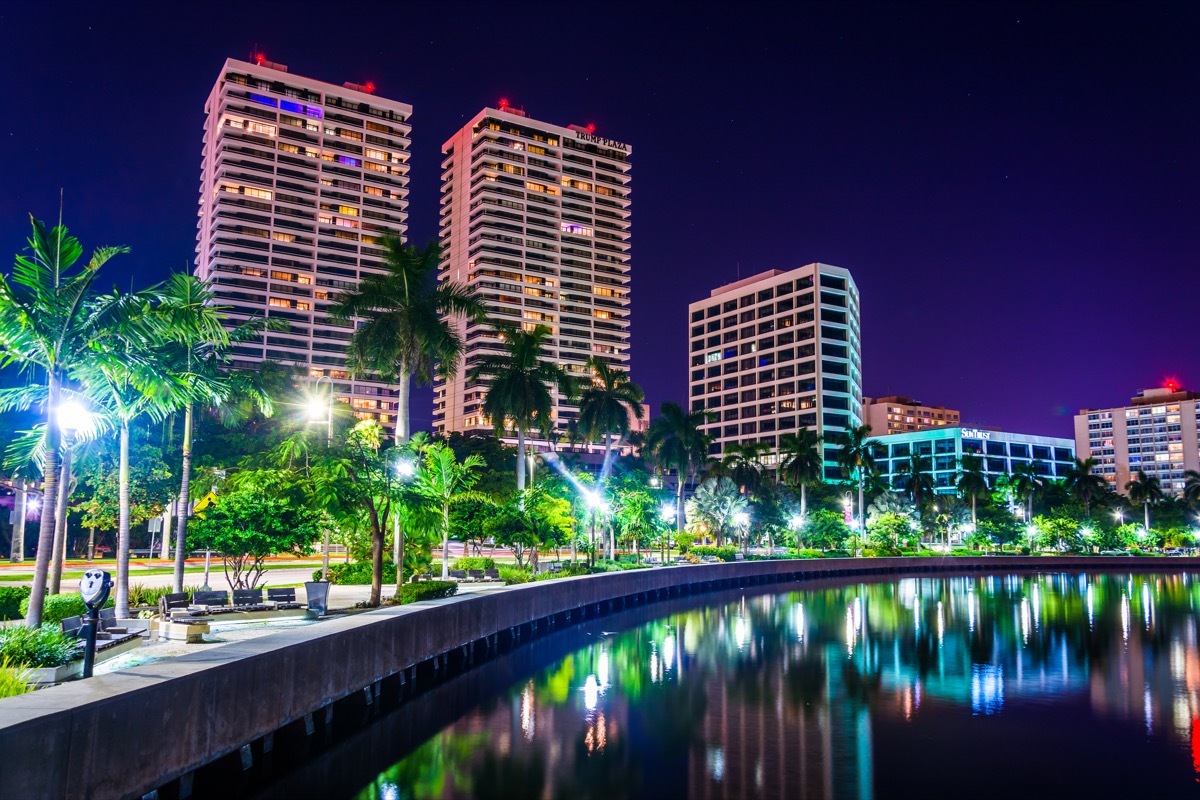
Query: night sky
point(1013, 186)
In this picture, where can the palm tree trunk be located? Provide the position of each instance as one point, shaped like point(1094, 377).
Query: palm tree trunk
point(974, 521)
point(20, 502)
point(166, 539)
point(60, 518)
point(122, 600)
point(1146, 506)
point(376, 558)
point(803, 499)
point(37, 596)
point(860, 501)
point(184, 489)
point(679, 518)
point(445, 541)
point(520, 458)
point(403, 381)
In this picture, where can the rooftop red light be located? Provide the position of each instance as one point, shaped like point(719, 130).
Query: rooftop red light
point(259, 58)
point(504, 102)
point(370, 87)
point(1172, 384)
point(591, 128)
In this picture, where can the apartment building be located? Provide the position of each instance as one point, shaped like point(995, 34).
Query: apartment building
point(535, 217)
point(776, 352)
point(1155, 432)
point(299, 182)
point(899, 414)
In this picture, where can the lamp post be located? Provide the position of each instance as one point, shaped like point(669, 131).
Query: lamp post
point(314, 415)
point(405, 469)
point(596, 504)
point(72, 416)
point(667, 513)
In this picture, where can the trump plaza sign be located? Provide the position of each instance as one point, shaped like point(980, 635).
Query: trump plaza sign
point(600, 140)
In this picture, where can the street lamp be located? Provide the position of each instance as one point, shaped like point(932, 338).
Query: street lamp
point(406, 469)
point(655, 482)
point(71, 416)
point(315, 416)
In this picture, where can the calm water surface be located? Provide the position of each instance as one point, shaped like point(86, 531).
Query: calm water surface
point(1036, 686)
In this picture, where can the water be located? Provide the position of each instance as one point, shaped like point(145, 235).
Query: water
point(1007, 686)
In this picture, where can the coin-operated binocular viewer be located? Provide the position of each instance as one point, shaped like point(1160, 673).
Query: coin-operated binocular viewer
point(94, 588)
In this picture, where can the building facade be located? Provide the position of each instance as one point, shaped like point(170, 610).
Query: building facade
point(999, 453)
point(1155, 432)
point(300, 181)
point(535, 218)
point(898, 414)
point(777, 352)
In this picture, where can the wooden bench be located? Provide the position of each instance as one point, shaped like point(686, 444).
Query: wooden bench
point(283, 598)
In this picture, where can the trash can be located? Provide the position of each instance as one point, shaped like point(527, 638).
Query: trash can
point(317, 593)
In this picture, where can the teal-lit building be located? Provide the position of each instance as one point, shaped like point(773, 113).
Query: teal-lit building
point(999, 453)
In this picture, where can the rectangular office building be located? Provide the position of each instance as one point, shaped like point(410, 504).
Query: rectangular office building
point(777, 352)
point(535, 218)
point(300, 181)
point(1155, 433)
point(897, 414)
point(999, 453)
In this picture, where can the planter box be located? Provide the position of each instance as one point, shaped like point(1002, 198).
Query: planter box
point(190, 632)
point(135, 625)
point(49, 676)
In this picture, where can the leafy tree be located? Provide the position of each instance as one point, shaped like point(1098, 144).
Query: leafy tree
point(1146, 491)
point(890, 530)
point(1083, 484)
point(890, 503)
point(1059, 532)
point(801, 463)
point(443, 481)
point(1191, 488)
point(857, 459)
point(636, 514)
point(150, 483)
point(743, 463)
point(520, 383)
point(1026, 482)
point(607, 403)
point(496, 478)
point(826, 530)
point(714, 504)
point(916, 479)
point(529, 521)
point(263, 512)
point(677, 442)
point(49, 317)
point(971, 483)
point(406, 331)
point(468, 518)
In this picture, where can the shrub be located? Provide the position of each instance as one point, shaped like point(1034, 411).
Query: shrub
point(60, 606)
point(809, 553)
point(36, 647)
point(357, 573)
point(149, 596)
point(426, 590)
point(475, 562)
point(726, 553)
point(837, 554)
point(13, 680)
point(10, 601)
point(512, 575)
point(882, 551)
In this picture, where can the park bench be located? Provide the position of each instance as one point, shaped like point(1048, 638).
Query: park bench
point(249, 599)
point(458, 575)
point(491, 575)
point(109, 635)
point(475, 574)
point(283, 598)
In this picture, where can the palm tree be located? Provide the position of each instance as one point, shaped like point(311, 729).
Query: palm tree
point(521, 379)
point(1191, 488)
point(407, 330)
point(198, 352)
point(127, 376)
point(606, 404)
point(801, 463)
point(971, 482)
point(744, 464)
point(443, 481)
point(916, 480)
point(856, 459)
point(1086, 486)
point(48, 317)
point(1145, 490)
point(676, 441)
point(715, 502)
point(1026, 482)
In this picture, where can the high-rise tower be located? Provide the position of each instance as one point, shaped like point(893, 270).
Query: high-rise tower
point(300, 181)
point(535, 218)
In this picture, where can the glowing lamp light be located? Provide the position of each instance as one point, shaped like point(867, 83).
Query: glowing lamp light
point(741, 518)
point(796, 522)
point(316, 410)
point(504, 102)
point(667, 512)
point(369, 87)
point(655, 482)
point(72, 416)
point(591, 128)
point(1031, 530)
point(594, 500)
point(1171, 384)
point(33, 504)
point(406, 468)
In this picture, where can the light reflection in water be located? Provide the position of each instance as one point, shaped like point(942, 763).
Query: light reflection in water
point(807, 694)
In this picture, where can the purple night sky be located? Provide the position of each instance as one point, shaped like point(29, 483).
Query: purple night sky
point(1013, 186)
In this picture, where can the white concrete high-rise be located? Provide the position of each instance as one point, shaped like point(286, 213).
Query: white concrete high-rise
point(535, 219)
point(300, 180)
point(776, 352)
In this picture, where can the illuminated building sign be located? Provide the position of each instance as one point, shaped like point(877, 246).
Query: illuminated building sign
point(975, 433)
point(600, 140)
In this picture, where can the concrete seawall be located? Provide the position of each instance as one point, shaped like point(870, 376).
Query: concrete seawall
point(126, 733)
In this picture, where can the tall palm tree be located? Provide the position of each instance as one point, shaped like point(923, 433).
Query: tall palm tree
point(1191, 488)
point(916, 479)
point(971, 482)
point(676, 441)
point(606, 404)
point(48, 317)
point(520, 383)
point(856, 459)
point(1086, 486)
point(801, 463)
point(1145, 490)
point(407, 331)
point(743, 462)
point(198, 350)
point(443, 481)
point(715, 503)
point(1027, 481)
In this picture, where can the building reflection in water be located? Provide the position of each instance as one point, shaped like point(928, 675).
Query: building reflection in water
point(778, 696)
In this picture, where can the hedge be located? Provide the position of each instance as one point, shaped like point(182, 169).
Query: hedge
point(10, 601)
point(60, 606)
point(426, 590)
point(726, 553)
point(36, 647)
point(356, 574)
point(475, 562)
